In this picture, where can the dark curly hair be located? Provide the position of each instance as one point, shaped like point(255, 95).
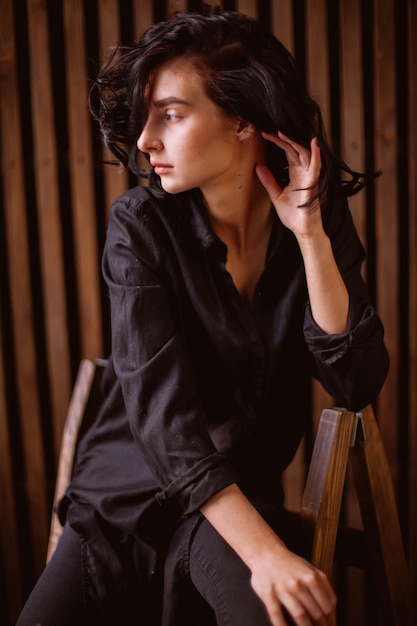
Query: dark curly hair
point(247, 72)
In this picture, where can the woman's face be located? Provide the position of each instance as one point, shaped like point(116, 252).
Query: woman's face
point(190, 140)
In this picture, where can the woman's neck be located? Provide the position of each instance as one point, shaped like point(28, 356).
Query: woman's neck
point(240, 213)
point(242, 219)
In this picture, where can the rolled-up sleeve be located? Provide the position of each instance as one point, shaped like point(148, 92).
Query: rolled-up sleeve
point(159, 392)
point(351, 366)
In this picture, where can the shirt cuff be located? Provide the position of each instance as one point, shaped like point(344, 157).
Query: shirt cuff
point(331, 348)
point(199, 483)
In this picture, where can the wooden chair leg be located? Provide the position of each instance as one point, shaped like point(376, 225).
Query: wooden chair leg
point(380, 520)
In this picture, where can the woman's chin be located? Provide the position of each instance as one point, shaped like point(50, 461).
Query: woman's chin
point(173, 187)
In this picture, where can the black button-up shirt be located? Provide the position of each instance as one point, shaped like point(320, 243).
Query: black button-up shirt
point(216, 391)
point(203, 390)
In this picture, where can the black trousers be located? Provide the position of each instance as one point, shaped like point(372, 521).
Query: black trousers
point(57, 598)
point(217, 589)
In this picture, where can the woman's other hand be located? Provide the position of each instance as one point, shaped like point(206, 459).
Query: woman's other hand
point(287, 584)
point(284, 581)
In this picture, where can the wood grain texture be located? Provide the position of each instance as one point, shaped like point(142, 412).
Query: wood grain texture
point(21, 307)
point(81, 170)
point(49, 217)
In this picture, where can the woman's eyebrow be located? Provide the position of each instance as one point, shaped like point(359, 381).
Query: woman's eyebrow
point(170, 100)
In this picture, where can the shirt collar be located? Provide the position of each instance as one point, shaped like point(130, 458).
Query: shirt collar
point(204, 233)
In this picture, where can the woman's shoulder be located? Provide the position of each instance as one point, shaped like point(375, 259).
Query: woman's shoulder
point(144, 219)
point(144, 208)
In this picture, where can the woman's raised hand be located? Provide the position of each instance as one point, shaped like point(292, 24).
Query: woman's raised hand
point(304, 171)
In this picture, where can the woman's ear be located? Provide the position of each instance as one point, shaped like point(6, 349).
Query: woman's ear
point(245, 129)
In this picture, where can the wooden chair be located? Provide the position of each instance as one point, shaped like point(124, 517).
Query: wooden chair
point(83, 406)
point(341, 435)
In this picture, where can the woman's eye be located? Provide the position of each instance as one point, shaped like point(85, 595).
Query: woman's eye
point(172, 117)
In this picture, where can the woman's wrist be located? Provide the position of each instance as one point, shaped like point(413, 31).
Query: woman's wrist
point(312, 235)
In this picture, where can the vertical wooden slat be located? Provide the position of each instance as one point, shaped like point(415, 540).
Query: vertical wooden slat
point(47, 193)
point(82, 182)
point(24, 330)
point(115, 178)
point(318, 83)
point(176, 5)
point(353, 153)
point(143, 15)
point(282, 23)
point(412, 305)
point(214, 3)
point(9, 543)
point(317, 61)
point(352, 102)
point(248, 7)
point(387, 216)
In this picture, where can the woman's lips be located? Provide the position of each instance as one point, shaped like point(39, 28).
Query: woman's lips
point(161, 168)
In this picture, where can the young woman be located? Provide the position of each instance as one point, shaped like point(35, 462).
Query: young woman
point(233, 277)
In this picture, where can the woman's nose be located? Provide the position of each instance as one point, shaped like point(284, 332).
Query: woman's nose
point(148, 141)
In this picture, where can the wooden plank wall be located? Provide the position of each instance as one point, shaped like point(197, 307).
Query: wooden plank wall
point(359, 58)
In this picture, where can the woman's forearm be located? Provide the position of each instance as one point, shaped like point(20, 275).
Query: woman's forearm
point(281, 579)
point(240, 524)
point(329, 298)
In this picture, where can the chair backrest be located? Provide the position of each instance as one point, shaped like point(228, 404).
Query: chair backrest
point(82, 408)
point(343, 435)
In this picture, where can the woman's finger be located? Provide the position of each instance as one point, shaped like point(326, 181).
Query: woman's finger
point(277, 614)
point(292, 154)
point(267, 179)
point(296, 153)
point(315, 158)
point(325, 598)
point(305, 610)
point(313, 596)
point(303, 154)
point(295, 608)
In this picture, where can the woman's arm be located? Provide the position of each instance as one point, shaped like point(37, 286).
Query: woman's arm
point(280, 578)
point(341, 328)
point(329, 299)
